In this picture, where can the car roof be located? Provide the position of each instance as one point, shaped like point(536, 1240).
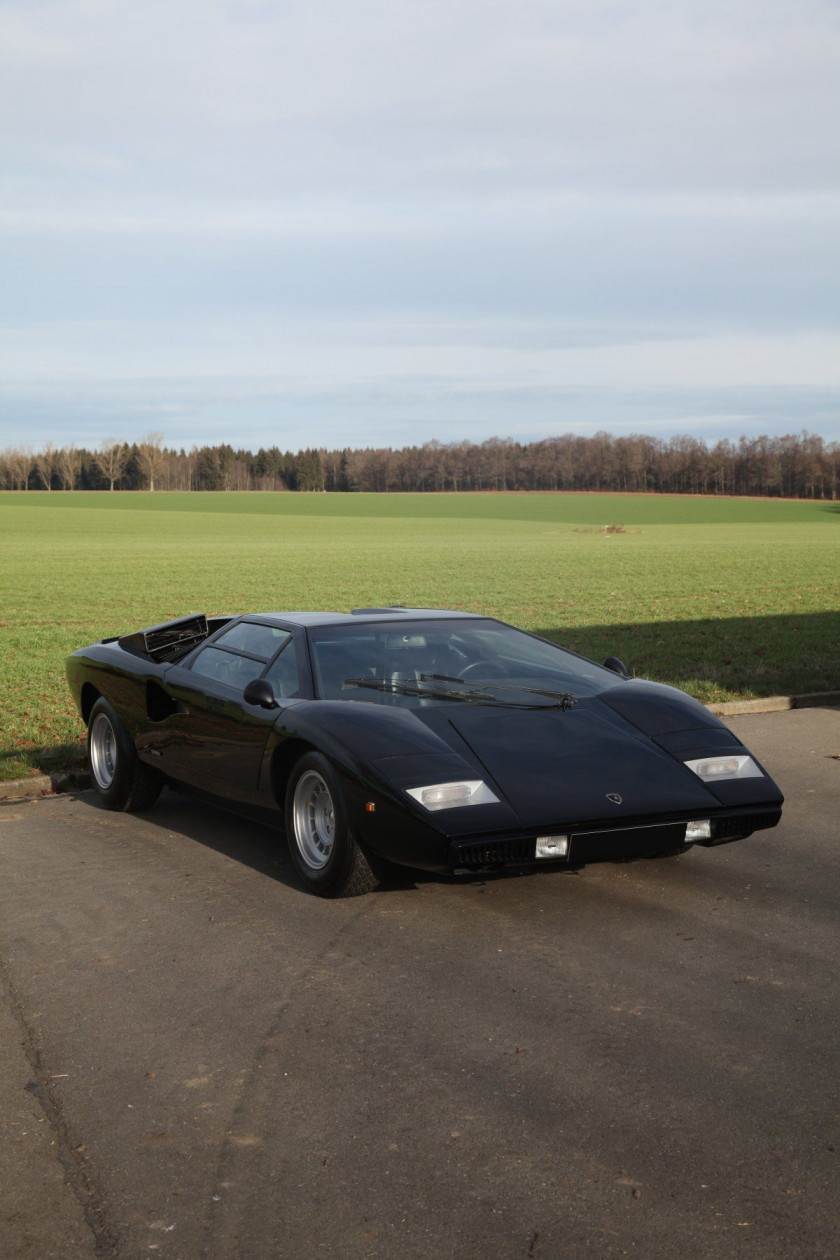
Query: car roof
point(396, 615)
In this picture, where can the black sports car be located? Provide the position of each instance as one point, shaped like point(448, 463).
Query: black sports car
point(437, 740)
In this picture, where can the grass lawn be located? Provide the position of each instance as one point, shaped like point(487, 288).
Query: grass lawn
point(727, 598)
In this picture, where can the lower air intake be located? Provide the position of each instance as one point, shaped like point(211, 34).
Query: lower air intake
point(492, 853)
point(722, 828)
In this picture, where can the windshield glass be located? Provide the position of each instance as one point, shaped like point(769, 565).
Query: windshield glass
point(439, 662)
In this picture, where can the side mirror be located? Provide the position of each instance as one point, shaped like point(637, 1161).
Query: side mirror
point(617, 666)
point(260, 692)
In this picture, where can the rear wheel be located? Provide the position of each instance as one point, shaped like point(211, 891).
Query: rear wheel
point(120, 779)
point(321, 844)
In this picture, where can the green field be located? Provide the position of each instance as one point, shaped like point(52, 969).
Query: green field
point(727, 598)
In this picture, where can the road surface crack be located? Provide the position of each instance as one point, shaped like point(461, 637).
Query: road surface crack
point(77, 1171)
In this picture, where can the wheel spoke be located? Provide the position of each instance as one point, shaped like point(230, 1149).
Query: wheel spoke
point(103, 752)
point(313, 820)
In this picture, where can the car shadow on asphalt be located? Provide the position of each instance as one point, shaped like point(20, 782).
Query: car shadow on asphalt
point(261, 846)
point(254, 843)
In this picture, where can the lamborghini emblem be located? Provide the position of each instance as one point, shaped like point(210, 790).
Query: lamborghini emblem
point(614, 797)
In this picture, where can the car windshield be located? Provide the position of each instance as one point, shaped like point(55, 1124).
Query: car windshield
point(446, 661)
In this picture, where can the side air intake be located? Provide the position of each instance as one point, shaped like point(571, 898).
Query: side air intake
point(168, 642)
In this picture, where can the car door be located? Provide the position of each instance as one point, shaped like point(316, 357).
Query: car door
point(215, 740)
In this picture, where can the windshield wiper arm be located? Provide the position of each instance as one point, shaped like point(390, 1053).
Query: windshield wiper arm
point(411, 688)
point(567, 700)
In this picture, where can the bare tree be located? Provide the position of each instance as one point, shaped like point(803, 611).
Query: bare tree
point(111, 459)
point(8, 476)
point(45, 464)
point(152, 456)
point(19, 461)
point(68, 463)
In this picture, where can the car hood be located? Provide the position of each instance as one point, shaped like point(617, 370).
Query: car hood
point(578, 766)
point(549, 766)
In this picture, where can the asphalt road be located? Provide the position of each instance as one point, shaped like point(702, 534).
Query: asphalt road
point(197, 1059)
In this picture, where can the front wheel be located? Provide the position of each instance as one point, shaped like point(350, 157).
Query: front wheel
point(321, 844)
point(120, 779)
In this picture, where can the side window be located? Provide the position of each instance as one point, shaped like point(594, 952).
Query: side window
point(283, 674)
point(256, 639)
point(226, 667)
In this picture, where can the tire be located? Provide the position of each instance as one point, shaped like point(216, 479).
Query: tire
point(120, 779)
point(321, 845)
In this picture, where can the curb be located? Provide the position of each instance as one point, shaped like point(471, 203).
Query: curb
point(44, 785)
point(79, 780)
point(768, 704)
point(776, 704)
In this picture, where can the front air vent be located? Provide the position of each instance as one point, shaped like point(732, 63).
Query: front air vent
point(491, 853)
point(723, 828)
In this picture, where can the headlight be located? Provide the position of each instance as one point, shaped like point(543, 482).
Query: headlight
point(454, 795)
point(713, 769)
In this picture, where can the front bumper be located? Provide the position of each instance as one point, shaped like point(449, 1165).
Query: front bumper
point(616, 844)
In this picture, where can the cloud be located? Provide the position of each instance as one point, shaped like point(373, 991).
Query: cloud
point(426, 98)
point(564, 195)
point(349, 383)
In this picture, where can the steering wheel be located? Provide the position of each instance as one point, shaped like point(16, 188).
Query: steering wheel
point(483, 669)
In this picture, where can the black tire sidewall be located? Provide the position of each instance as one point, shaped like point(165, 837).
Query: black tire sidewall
point(117, 795)
point(331, 879)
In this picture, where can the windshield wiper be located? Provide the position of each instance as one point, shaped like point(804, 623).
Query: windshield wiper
point(406, 687)
point(565, 698)
point(412, 687)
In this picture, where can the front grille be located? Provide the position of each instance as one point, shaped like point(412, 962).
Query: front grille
point(724, 827)
point(491, 853)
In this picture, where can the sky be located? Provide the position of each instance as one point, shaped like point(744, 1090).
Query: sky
point(272, 222)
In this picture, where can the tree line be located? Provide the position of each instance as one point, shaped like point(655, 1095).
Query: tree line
point(799, 465)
